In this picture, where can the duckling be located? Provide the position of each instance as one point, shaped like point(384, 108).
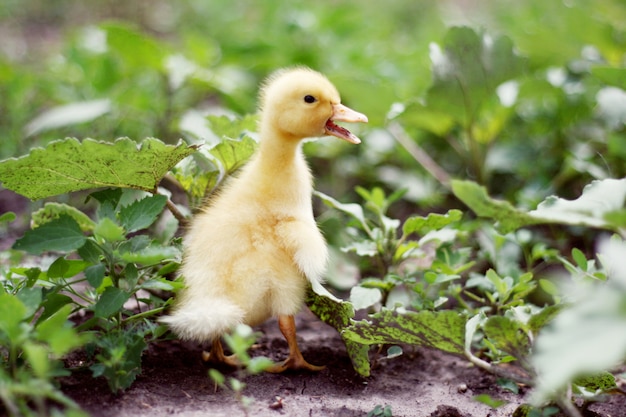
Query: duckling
point(252, 251)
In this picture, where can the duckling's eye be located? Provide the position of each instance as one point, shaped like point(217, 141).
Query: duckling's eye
point(309, 99)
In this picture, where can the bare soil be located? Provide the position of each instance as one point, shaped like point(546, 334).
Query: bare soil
point(420, 383)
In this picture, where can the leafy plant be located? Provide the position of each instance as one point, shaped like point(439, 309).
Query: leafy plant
point(35, 334)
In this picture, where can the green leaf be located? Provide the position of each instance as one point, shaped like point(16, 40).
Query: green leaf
point(95, 275)
point(69, 165)
point(152, 255)
point(64, 268)
point(37, 356)
point(142, 213)
point(111, 301)
point(579, 258)
point(52, 303)
point(108, 230)
point(352, 209)
point(7, 217)
point(58, 332)
point(421, 225)
point(598, 198)
point(12, 313)
point(476, 198)
point(31, 298)
point(359, 356)
point(539, 320)
point(328, 308)
point(507, 335)
point(51, 211)
point(61, 235)
point(90, 252)
point(489, 400)
point(443, 330)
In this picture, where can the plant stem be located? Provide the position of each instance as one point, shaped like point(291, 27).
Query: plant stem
point(419, 154)
point(144, 314)
point(182, 220)
point(496, 370)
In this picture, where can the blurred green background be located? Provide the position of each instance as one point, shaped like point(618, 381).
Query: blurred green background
point(157, 68)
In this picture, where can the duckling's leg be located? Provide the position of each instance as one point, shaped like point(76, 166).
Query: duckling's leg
point(216, 355)
point(287, 326)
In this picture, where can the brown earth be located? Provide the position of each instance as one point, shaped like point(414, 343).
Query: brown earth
point(420, 383)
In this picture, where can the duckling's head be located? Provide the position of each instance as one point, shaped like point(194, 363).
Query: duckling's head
point(300, 103)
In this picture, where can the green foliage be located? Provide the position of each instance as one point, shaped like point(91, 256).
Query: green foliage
point(601, 205)
point(32, 348)
point(69, 165)
point(380, 411)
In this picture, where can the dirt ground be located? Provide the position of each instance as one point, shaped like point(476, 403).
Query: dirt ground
point(420, 383)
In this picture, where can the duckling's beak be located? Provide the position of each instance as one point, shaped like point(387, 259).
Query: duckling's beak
point(342, 113)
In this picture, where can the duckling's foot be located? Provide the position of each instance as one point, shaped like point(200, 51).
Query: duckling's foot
point(216, 356)
point(295, 361)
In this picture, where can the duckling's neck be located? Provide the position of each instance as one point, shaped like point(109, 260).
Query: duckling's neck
point(281, 172)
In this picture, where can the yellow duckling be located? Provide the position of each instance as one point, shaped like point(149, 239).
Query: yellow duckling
point(251, 252)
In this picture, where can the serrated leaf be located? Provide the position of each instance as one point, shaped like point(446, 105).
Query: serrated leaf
point(62, 235)
point(110, 302)
point(51, 211)
point(225, 127)
point(434, 221)
point(443, 330)
point(142, 213)
point(229, 155)
point(69, 165)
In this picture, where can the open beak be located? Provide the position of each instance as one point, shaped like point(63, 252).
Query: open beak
point(342, 113)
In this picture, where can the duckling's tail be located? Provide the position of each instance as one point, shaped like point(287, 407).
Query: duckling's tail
point(199, 321)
